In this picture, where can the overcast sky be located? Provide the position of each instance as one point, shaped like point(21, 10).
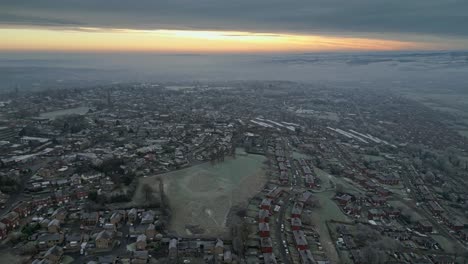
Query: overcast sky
point(412, 20)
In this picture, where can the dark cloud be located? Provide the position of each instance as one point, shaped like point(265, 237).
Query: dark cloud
point(14, 19)
point(431, 17)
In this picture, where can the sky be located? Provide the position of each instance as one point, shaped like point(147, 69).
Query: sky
point(241, 26)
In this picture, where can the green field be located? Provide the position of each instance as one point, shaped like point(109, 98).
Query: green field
point(202, 195)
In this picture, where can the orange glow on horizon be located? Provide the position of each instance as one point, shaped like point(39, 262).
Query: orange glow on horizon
point(129, 40)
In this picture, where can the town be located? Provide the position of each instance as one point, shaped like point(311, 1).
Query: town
point(229, 172)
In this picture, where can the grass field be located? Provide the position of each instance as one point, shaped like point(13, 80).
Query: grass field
point(328, 211)
point(202, 195)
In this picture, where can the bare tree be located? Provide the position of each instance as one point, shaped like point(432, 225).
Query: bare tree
point(148, 191)
point(339, 188)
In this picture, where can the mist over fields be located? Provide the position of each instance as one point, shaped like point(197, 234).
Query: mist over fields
point(422, 70)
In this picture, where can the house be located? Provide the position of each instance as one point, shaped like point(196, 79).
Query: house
point(306, 257)
point(132, 215)
point(455, 225)
point(136, 230)
point(148, 217)
point(219, 247)
point(392, 212)
point(382, 191)
point(104, 239)
point(269, 258)
point(424, 226)
point(53, 226)
point(109, 227)
point(306, 198)
point(263, 216)
point(62, 197)
point(11, 220)
point(115, 218)
point(60, 214)
point(265, 204)
point(353, 209)
point(375, 214)
point(388, 179)
point(310, 181)
point(282, 167)
point(283, 178)
point(442, 259)
point(140, 257)
point(263, 229)
point(141, 242)
point(435, 208)
point(349, 243)
point(107, 260)
point(296, 211)
point(150, 232)
point(464, 234)
point(275, 193)
point(173, 248)
point(49, 240)
point(81, 193)
point(73, 241)
point(300, 240)
point(296, 223)
point(89, 219)
point(42, 201)
point(227, 256)
point(44, 223)
point(344, 199)
point(3, 231)
point(266, 245)
point(23, 209)
point(54, 254)
point(377, 201)
point(424, 242)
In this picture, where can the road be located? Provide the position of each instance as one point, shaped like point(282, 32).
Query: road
point(279, 234)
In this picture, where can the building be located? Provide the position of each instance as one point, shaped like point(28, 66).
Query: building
point(89, 219)
point(11, 220)
point(265, 204)
point(266, 245)
point(115, 218)
point(173, 252)
point(54, 254)
point(306, 257)
point(269, 258)
point(300, 240)
point(296, 223)
point(375, 214)
point(104, 240)
point(53, 226)
point(424, 226)
point(296, 211)
point(49, 240)
point(60, 214)
point(263, 229)
point(3, 231)
point(263, 216)
point(141, 242)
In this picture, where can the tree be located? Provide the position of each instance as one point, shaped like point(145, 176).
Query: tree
point(147, 190)
point(29, 249)
point(372, 256)
point(339, 188)
point(93, 196)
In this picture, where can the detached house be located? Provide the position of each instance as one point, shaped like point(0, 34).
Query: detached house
point(104, 240)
